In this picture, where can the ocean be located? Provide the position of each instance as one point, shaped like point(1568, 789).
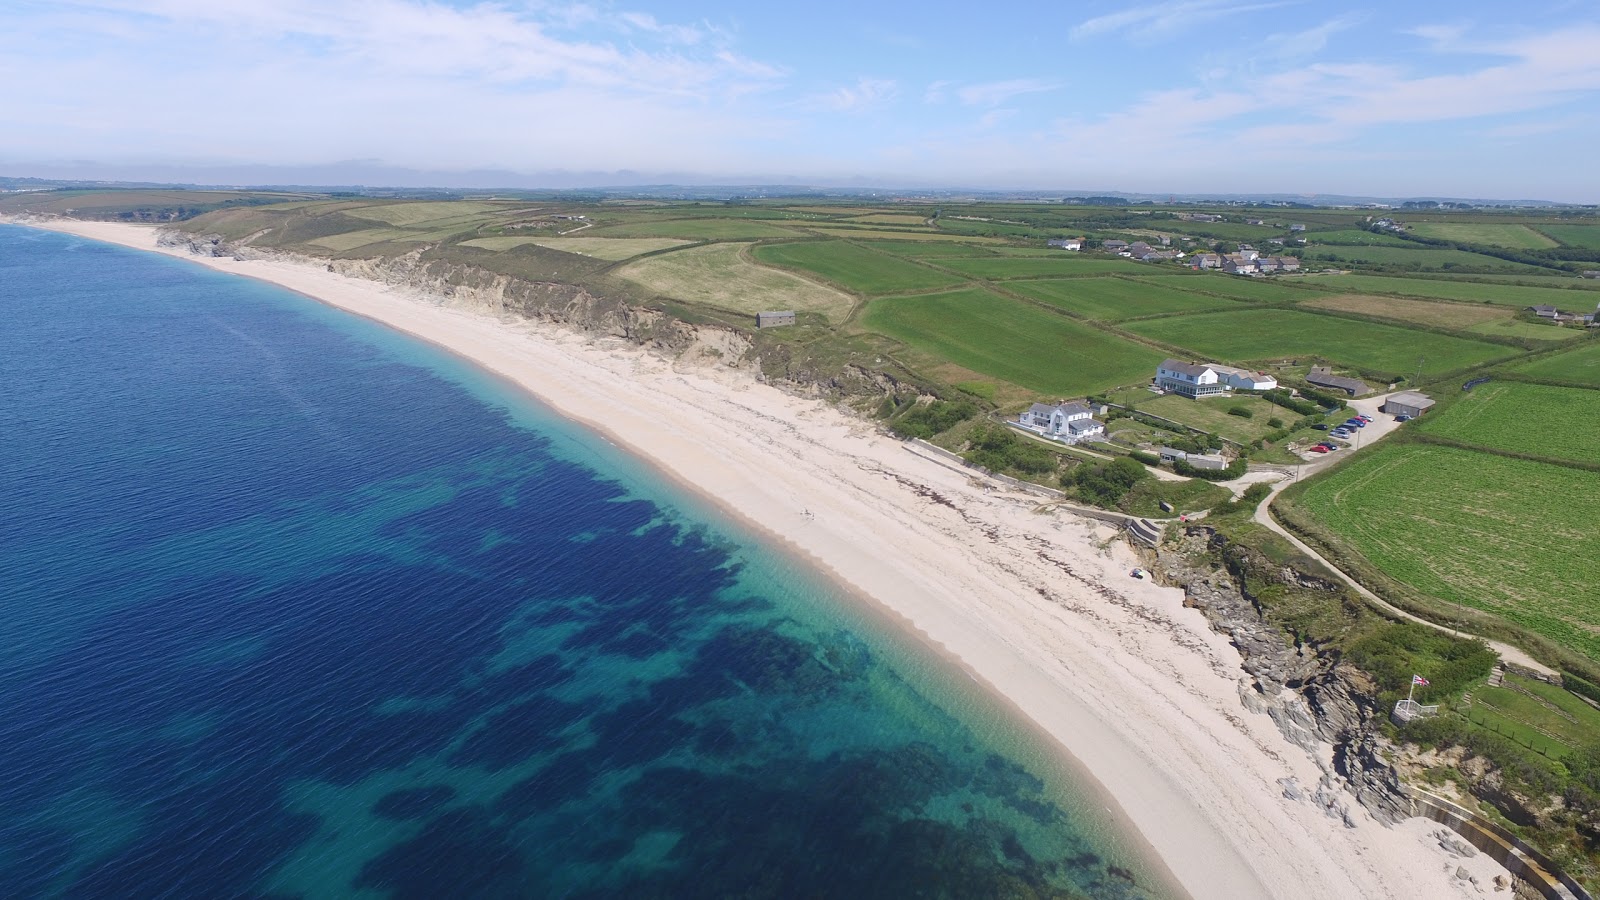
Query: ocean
point(297, 606)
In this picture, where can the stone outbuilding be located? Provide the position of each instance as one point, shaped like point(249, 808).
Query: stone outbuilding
point(1407, 403)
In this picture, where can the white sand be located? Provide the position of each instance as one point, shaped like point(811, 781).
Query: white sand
point(1138, 689)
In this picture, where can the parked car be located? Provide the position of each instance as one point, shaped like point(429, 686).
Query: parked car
point(1367, 419)
point(1319, 449)
point(1320, 427)
point(1332, 447)
point(1402, 418)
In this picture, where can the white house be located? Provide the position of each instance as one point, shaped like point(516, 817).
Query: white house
point(1067, 422)
point(1234, 264)
point(1067, 243)
point(1189, 379)
point(1244, 379)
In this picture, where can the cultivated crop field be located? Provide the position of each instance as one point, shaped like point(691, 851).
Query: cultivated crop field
point(1471, 318)
point(411, 215)
point(1475, 529)
point(931, 250)
point(1586, 236)
point(887, 234)
point(1357, 237)
point(696, 229)
point(614, 249)
point(1431, 258)
point(999, 268)
point(1014, 342)
point(1515, 237)
point(1114, 299)
point(854, 268)
point(1510, 294)
point(1580, 366)
point(1274, 334)
point(719, 275)
point(1263, 290)
point(1537, 419)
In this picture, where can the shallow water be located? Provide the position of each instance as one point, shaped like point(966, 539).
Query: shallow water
point(298, 606)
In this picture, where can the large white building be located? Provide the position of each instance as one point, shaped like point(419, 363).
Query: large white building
point(1244, 379)
point(1066, 422)
point(1209, 379)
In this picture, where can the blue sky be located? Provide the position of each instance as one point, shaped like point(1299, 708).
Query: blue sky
point(1469, 99)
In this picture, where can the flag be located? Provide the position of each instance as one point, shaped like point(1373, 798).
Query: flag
point(1418, 679)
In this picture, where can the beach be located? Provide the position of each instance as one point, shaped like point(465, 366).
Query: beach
point(1038, 607)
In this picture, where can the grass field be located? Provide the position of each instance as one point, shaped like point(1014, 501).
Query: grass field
point(1113, 299)
point(1001, 267)
point(1585, 236)
point(719, 275)
point(854, 268)
point(1472, 318)
point(411, 215)
point(891, 219)
point(1012, 341)
point(1257, 289)
point(1475, 529)
point(695, 229)
point(614, 249)
point(1508, 294)
point(1420, 260)
point(888, 234)
point(1212, 414)
point(1357, 237)
point(1273, 334)
point(933, 250)
point(1555, 422)
point(1515, 237)
point(1580, 366)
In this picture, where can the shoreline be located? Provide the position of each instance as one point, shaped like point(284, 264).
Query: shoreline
point(1137, 691)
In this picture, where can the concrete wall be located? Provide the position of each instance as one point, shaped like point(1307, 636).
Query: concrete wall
point(1522, 861)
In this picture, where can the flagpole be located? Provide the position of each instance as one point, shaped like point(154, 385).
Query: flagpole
point(1413, 690)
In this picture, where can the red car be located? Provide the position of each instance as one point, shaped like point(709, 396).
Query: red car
point(1319, 449)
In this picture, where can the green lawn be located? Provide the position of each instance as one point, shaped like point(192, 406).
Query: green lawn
point(1012, 341)
point(1275, 334)
point(998, 268)
point(1212, 414)
point(1113, 299)
point(1556, 422)
point(1475, 529)
point(927, 249)
point(694, 229)
point(1447, 289)
point(1580, 366)
point(1419, 260)
point(1357, 237)
point(1515, 237)
point(855, 268)
point(1264, 290)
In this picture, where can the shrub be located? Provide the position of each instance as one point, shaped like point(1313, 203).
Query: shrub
point(995, 448)
point(1104, 484)
point(1149, 459)
point(1242, 412)
point(1274, 422)
point(1235, 469)
point(934, 418)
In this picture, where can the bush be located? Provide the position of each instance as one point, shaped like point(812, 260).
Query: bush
point(936, 417)
point(1255, 493)
point(1274, 422)
point(1235, 469)
point(1330, 401)
point(1149, 459)
point(1104, 484)
point(1242, 412)
point(1580, 687)
point(995, 448)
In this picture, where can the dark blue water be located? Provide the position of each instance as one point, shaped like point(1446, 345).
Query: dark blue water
point(296, 606)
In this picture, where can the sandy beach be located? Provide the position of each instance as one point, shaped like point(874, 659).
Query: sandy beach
point(1039, 607)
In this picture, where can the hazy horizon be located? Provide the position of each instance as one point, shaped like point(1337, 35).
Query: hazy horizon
point(1184, 96)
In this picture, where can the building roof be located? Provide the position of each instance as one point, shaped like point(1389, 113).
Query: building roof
point(1322, 375)
point(1040, 409)
point(1412, 398)
point(1085, 425)
point(1075, 408)
point(1183, 368)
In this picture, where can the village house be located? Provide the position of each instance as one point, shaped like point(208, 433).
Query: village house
point(1249, 252)
point(1234, 264)
point(1157, 255)
point(1287, 263)
point(1254, 222)
point(1323, 377)
point(1244, 379)
point(1200, 217)
point(1069, 423)
point(1114, 246)
point(1297, 228)
point(1591, 273)
point(1407, 403)
point(1193, 380)
point(1067, 243)
point(1206, 261)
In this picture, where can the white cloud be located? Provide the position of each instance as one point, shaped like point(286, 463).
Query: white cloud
point(865, 94)
point(994, 93)
point(1154, 21)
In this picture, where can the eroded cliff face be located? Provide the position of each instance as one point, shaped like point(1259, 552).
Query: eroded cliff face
point(1315, 700)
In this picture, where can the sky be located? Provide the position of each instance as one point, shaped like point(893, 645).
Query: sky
point(1395, 99)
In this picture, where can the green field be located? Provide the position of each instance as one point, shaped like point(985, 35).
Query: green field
point(1515, 237)
point(1475, 529)
point(855, 268)
point(1580, 366)
point(720, 275)
point(1357, 237)
point(1420, 260)
point(1114, 299)
point(1012, 341)
point(1585, 236)
point(930, 249)
point(614, 249)
point(1002, 267)
point(1212, 414)
point(1508, 294)
point(695, 229)
point(1537, 419)
point(1275, 334)
point(411, 215)
point(888, 234)
point(1263, 290)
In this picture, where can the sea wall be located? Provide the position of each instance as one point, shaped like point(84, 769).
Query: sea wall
point(1525, 864)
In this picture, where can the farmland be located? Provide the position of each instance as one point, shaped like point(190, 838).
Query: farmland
point(1268, 334)
point(1257, 289)
point(696, 229)
point(1471, 318)
point(614, 249)
point(1516, 237)
point(1476, 530)
point(999, 268)
point(1417, 260)
point(719, 275)
point(1113, 299)
point(1580, 366)
point(1508, 294)
point(1520, 417)
point(855, 268)
point(1011, 341)
point(1586, 236)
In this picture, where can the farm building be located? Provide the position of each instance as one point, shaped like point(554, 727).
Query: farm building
point(774, 319)
point(1244, 379)
point(1407, 403)
point(1323, 377)
point(1066, 422)
point(1591, 273)
point(1189, 379)
point(1172, 454)
point(1114, 245)
point(1212, 461)
point(1067, 243)
point(1297, 227)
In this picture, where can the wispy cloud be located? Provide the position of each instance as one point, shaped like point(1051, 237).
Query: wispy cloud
point(865, 94)
point(1156, 21)
point(1297, 44)
point(994, 93)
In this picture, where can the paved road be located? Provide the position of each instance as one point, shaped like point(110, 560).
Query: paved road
point(1382, 425)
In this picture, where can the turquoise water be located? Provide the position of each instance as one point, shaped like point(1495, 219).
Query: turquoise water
point(298, 606)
